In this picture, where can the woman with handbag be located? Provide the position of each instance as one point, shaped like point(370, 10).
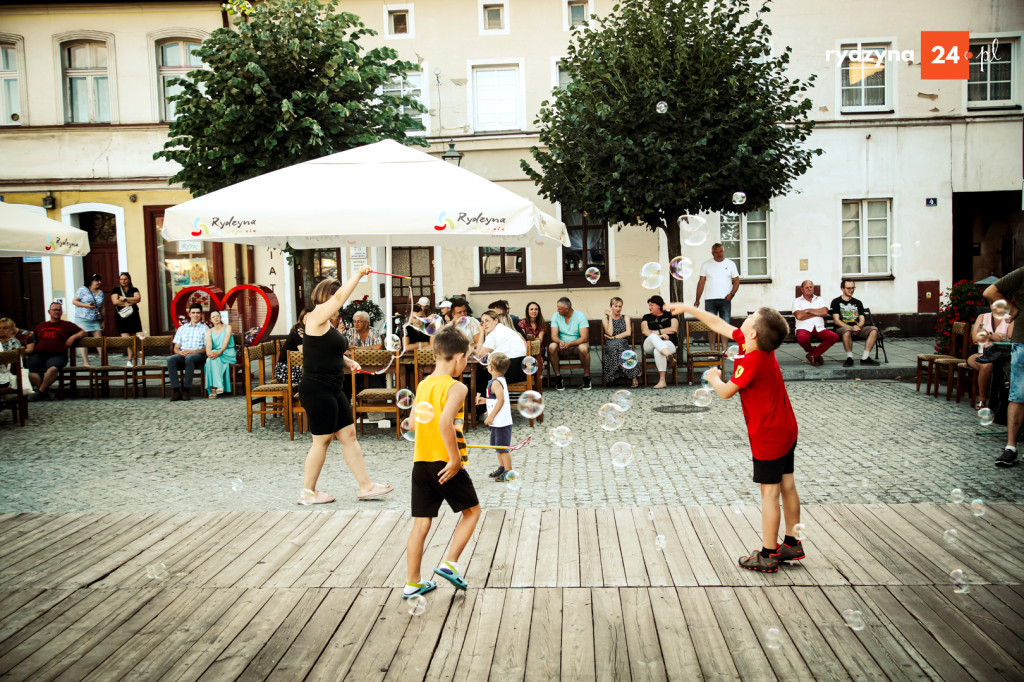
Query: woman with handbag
point(984, 333)
point(88, 302)
point(126, 303)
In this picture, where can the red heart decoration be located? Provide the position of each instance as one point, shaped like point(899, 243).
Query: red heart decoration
point(260, 318)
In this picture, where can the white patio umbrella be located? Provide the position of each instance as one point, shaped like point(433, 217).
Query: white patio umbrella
point(381, 194)
point(23, 233)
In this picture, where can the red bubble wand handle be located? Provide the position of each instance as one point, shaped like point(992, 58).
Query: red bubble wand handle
point(389, 274)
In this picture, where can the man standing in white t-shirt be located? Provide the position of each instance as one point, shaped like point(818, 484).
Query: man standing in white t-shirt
point(810, 311)
point(722, 280)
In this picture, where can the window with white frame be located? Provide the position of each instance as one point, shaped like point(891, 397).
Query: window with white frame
point(502, 267)
point(588, 248)
point(863, 81)
point(745, 241)
point(174, 59)
point(86, 83)
point(411, 85)
point(563, 77)
point(577, 12)
point(399, 20)
point(496, 98)
point(990, 81)
point(866, 236)
point(493, 17)
point(10, 91)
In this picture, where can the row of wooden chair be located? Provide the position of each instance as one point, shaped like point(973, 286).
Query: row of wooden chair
point(959, 375)
point(13, 395)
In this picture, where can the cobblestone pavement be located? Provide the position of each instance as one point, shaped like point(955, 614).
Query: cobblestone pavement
point(860, 441)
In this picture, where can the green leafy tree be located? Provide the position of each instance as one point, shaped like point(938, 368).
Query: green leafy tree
point(731, 119)
point(289, 83)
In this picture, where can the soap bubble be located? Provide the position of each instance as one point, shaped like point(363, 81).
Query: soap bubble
point(659, 543)
point(156, 571)
point(531, 404)
point(1000, 309)
point(705, 380)
point(307, 496)
point(854, 619)
point(610, 416)
point(798, 531)
point(985, 416)
point(236, 485)
point(739, 198)
point(691, 223)
point(951, 536)
point(392, 343)
point(592, 274)
point(702, 397)
point(628, 359)
point(424, 412)
point(622, 454)
point(432, 324)
point(982, 335)
point(732, 351)
point(959, 579)
point(896, 250)
point(773, 638)
point(560, 436)
point(956, 495)
point(513, 480)
point(407, 429)
point(404, 398)
point(978, 507)
point(736, 506)
point(623, 398)
point(650, 514)
point(416, 605)
point(696, 238)
point(917, 243)
point(462, 323)
point(681, 267)
point(956, 574)
point(650, 275)
point(529, 365)
point(661, 107)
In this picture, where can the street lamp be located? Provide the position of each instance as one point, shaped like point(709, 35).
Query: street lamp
point(452, 155)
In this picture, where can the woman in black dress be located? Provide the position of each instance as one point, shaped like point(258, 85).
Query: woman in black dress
point(126, 297)
point(327, 406)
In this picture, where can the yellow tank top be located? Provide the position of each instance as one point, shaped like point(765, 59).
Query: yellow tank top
point(428, 444)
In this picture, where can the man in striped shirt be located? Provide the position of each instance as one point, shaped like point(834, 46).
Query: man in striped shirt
point(189, 352)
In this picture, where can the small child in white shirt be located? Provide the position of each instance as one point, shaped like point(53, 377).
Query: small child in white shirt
point(499, 413)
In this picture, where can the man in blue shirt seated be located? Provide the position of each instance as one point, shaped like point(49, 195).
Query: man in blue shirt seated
point(570, 336)
point(189, 352)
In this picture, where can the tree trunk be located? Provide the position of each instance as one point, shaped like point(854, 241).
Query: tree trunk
point(675, 248)
point(308, 278)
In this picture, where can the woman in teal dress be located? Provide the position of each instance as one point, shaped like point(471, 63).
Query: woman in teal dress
point(220, 354)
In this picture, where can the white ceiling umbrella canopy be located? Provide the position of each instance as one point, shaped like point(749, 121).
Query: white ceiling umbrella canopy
point(381, 194)
point(24, 233)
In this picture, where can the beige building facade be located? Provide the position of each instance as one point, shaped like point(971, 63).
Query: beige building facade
point(919, 186)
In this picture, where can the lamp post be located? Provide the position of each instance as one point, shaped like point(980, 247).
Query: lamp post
point(452, 155)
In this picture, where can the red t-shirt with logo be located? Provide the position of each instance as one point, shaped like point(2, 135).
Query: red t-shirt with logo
point(52, 337)
point(771, 424)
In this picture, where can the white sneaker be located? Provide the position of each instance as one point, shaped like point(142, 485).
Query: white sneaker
point(128, 363)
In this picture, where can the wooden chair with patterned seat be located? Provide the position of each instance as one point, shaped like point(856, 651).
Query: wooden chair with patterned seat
point(74, 372)
point(959, 344)
point(700, 358)
point(533, 381)
point(262, 397)
point(108, 373)
point(370, 400)
point(295, 412)
point(423, 364)
point(150, 346)
point(12, 395)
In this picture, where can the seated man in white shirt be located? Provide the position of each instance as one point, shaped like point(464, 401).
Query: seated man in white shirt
point(810, 311)
point(501, 339)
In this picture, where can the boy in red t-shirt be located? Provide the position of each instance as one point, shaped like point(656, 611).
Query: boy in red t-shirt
point(771, 425)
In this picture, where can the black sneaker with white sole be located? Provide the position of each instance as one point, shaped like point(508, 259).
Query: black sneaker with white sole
point(871, 362)
point(848, 362)
point(1007, 459)
point(559, 385)
point(586, 384)
point(497, 472)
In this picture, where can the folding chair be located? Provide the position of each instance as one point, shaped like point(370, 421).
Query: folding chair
point(144, 370)
point(73, 372)
point(271, 398)
point(106, 372)
point(12, 396)
point(700, 358)
point(376, 399)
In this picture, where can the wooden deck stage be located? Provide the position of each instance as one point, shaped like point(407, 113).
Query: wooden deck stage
point(554, 594)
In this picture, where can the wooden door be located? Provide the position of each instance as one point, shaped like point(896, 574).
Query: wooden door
point(417, 263)
point(21, 292)
point(102, 259)
point(928, 297)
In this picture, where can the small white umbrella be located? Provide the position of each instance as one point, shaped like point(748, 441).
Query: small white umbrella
point(23, 233)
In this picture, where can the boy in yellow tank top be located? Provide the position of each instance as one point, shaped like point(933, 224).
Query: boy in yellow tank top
point(437, 473)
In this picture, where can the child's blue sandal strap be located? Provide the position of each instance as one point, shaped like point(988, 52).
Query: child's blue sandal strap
point(425, 586)
point(454, 578)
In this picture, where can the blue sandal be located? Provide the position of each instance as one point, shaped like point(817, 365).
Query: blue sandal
point(423, 588)
point(453, 577)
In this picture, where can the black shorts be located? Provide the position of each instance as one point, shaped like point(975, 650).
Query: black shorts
point(327, 409)
point(38, 363)
point(428, 493)
point(770, 471)
point(501, 436)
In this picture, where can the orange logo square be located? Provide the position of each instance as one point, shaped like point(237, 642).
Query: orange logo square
point(945, 55)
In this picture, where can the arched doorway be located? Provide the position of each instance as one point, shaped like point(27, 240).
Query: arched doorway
point(102, 259)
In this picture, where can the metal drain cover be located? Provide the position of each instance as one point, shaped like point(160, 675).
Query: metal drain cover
point(680, 409)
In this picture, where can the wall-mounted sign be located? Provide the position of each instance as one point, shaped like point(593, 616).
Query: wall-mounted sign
point(931, 201)
point(190, 246)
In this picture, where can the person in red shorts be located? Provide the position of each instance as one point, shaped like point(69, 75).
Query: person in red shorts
point(771, 425)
